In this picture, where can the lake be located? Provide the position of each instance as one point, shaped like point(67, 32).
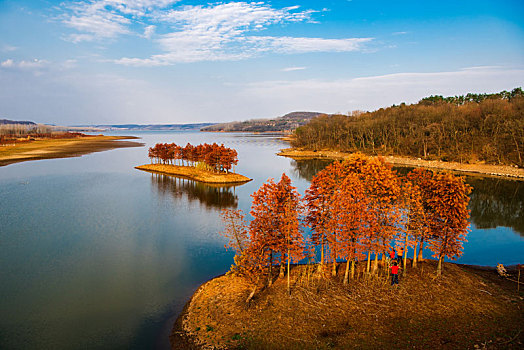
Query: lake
point(96, 254)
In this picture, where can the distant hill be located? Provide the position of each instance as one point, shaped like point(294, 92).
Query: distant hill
point(195, 126)
point(286, 123)
point(23, 122)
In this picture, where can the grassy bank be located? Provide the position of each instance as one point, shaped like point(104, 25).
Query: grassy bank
point(61, 148)
point(478, 168)
point(466, 308)
point(196, 174)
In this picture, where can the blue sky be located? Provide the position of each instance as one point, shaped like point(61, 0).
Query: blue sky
point(176, 61)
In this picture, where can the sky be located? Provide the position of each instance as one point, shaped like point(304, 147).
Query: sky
point(176, 61)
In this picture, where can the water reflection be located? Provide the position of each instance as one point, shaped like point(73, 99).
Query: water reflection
point(308, 168)
point(497, 202)
point(210, 196)
point(494, 202)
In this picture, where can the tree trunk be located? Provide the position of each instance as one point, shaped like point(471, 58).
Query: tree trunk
point(368, 266)
point(334, 269)
point(288, 261)
point(405, 257)
point(270, 275)
point(252, 294)
point(321, 265)
point(420, 249)
point(353, 269)
point(282, 268)
point(346, 274)
point(375, 263)
point(415, 252)
point(439, 266)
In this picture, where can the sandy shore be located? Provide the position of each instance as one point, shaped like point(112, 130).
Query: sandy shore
point(465, 307)
point(195, 174)
point(481, 169)
point(62, 148)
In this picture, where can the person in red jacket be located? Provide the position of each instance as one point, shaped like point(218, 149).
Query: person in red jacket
point(394, 273)
point(392, 254)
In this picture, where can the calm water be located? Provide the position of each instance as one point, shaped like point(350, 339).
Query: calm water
point(95, 254)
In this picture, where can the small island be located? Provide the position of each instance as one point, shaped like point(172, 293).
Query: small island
point(204, 163)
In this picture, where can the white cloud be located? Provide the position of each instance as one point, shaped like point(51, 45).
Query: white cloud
point(9, 48)
point(224, 31)
point(149, 31)
point(95, 21)
point(107, 19)
point(369, 93)
point(70, 97)
point(7, 63)
point(212, 32)
point(29, 65)
point(291, 69)
point(291, 45)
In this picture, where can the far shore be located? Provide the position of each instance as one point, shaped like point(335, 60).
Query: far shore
point(479, 168)
point(195, 174)
point(61, 148)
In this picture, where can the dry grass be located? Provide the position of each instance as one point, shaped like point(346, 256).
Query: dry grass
point(478, 168)
point(193, 173)
point(463, 309)
point(61, 148)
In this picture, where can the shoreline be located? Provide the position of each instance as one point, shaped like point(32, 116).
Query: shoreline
point(474, 169)
point(195, 174)
point(183, 336)
point(62, 148)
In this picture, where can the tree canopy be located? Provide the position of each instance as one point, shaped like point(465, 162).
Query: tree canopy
point(215, 157)
point(356, 209)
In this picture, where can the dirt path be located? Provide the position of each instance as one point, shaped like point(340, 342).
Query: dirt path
point(482, 169)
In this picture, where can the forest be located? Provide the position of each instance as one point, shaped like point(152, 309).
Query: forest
point(472, 128)
point(358, 210)
point(217, 158)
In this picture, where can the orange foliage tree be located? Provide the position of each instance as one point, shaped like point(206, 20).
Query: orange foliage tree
point(381, 186)
point(235, 230)
point(355, 208)
point(415, 225)
point(318, 202)
point(217, 157)
point(275, 226)
point(353, 220)
point(445, 202)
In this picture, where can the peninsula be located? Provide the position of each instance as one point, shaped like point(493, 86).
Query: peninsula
point(477, 133)
point(68, 145)
point(355, 282)
point(471, 168)
point(467, 307)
